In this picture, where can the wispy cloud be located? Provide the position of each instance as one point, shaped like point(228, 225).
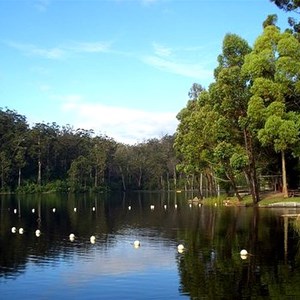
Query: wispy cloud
point(95, 47)
point(161, 50)
point(184, 69)
point(164, 58)
point(42, 5)
point(33, 50)
point(123, 124)
point(60, 52)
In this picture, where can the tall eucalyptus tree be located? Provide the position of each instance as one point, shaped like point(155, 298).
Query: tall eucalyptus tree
point(273, 71)
point(230, 96)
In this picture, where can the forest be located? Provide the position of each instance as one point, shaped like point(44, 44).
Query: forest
point(47, 157)
point(239, 134)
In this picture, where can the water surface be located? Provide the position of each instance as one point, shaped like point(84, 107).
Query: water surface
point(51, 266)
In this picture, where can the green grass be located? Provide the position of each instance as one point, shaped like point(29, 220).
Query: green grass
point(266, 199)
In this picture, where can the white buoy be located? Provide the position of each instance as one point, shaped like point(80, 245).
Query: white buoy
point(175, 205)
point(92, 239)
point(72, 237)
point(165, 206)
point(21, 230)
point(75, 209)
point(94, 208)
point(200, 204)
point(152, 207)
point(33, 210)
point(244, 252)
point(129, 207)
point(54, 210)
point(215, 204)
point(136, 244)
point(13, 229)
point(180, 248)
point(15, 211)
point(37, 232)
point(190, 205)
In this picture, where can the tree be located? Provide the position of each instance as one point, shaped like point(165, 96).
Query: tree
point(230, 94)
point(195, 91)
point(287, 5)
point(13, 129)
point(79, 173)
point(121, 161)
point(271, 20)
point(273, 71)
point(99, 157)
point(290, 6)
point(200, 128)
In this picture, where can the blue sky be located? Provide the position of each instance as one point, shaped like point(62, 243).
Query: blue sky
point(120, 67)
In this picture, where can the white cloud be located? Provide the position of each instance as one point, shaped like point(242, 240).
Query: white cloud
point(95, 47)
point(60, 52)
point(168, 60)
point(32, 50)
point(161, 50)
point(184, 69)
point(123, 124)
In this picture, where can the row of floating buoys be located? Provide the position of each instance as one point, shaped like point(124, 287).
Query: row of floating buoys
point(152, 207)
point(72, 236)
point(21, 231)
point(165, 206)
point(180, 248)
point(53, 210)
point(38, 234)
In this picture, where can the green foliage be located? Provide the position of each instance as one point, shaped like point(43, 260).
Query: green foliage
point(239, 161)
point(282, 133)
point(252, 106)
point(48, 158)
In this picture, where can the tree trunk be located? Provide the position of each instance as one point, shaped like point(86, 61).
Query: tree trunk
point(284, 181)
point(201, 185)
point(123, 179)
point(174, 178)
point(252, 176)
point(162, 182)
point(168, 182)
point(39, 179)
point(19, 177)
point(140, 178)
point(96, 177)
point(234, 186)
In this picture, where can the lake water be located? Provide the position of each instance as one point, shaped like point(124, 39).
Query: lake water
point(51, 266)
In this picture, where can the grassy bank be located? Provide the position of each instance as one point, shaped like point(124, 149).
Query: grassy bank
point(266, 199)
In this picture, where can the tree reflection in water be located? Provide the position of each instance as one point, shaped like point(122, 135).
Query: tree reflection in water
point(210, 267)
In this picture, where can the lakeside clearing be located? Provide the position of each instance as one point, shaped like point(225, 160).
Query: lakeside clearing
point(268, 199)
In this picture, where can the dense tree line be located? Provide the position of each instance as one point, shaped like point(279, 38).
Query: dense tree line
point(246, 125)
point(47, 157)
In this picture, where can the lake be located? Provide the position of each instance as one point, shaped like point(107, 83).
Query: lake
point(53, 265)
